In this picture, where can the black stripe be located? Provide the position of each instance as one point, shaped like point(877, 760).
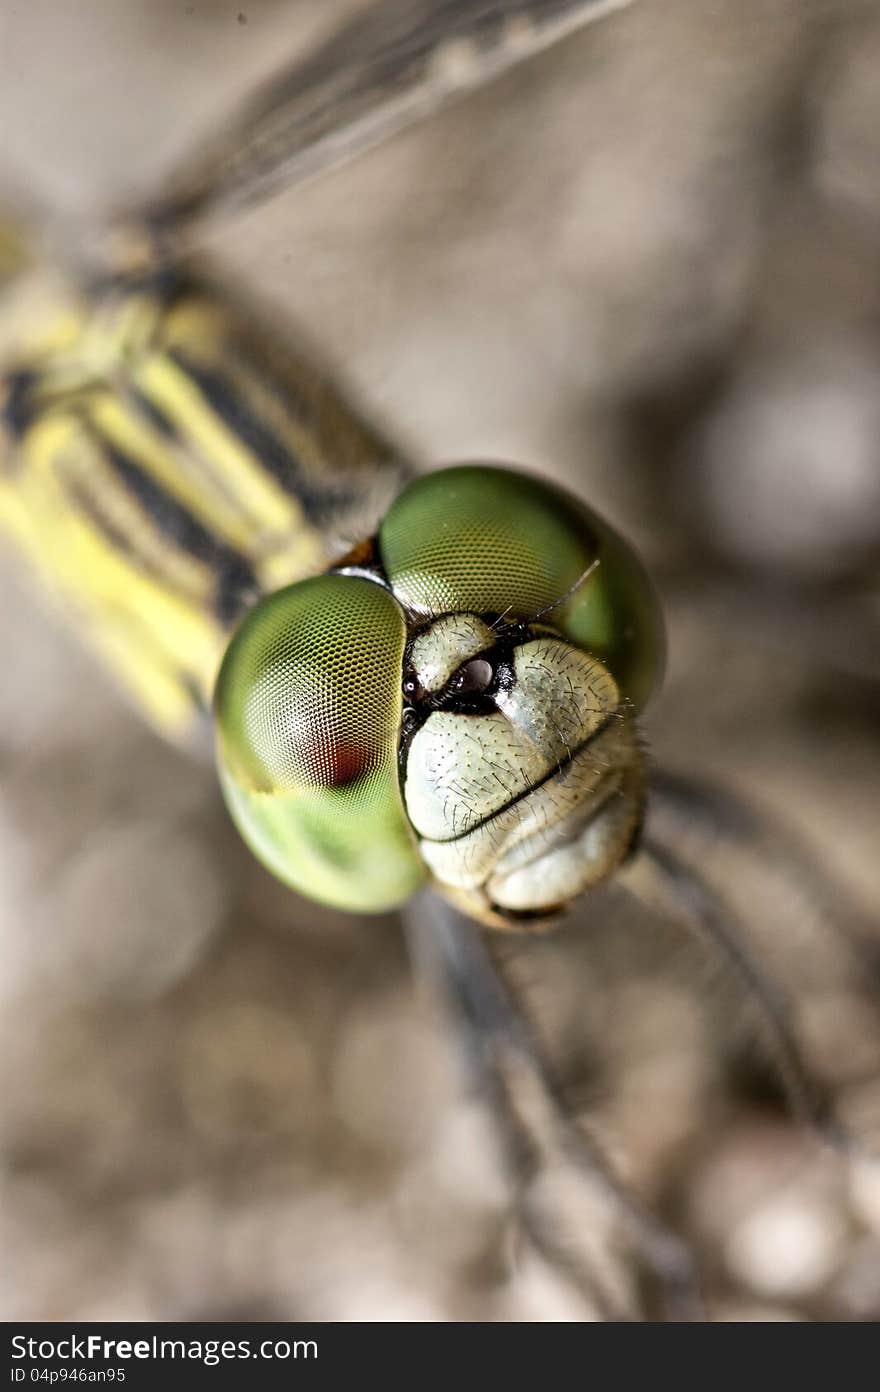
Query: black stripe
point(155, 414)
point(218, 389)
point(237, 584)
point(17, 405)
point(90, 508)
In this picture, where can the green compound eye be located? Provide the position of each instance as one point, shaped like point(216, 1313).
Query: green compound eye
point(491, 540)
point(308, 708)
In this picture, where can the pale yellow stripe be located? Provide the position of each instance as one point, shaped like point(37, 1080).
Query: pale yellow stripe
point(135, 437)
point(77, 561)
point(256, 491)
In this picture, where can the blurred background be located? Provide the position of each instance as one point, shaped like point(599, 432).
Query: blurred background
point(644, 263)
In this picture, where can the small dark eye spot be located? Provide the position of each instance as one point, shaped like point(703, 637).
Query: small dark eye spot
point(412, 687)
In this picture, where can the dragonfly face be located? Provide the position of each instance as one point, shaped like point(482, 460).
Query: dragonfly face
point(460, 702)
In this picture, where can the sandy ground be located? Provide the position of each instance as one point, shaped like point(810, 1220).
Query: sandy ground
point(646, 264)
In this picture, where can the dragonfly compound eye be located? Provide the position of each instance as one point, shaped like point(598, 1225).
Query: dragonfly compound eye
point(493, 541)
point(308, 706)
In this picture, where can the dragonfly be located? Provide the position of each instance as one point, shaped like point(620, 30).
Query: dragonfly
point(202, 498)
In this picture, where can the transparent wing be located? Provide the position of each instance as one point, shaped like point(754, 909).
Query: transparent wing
point(388, 66)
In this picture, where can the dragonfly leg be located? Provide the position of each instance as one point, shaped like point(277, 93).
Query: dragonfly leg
point(705, 815)
point(747, 861)
point(663, 880)
point(538, 1132)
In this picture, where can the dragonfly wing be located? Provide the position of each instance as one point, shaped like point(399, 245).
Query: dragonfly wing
point(388, 67)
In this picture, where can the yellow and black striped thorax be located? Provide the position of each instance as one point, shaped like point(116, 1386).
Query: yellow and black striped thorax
point(164, 463)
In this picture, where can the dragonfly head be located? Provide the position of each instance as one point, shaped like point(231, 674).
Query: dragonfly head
point(458, 702)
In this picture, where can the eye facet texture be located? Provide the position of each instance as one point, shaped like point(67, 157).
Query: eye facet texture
point(308, 707)
point(488, 540)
